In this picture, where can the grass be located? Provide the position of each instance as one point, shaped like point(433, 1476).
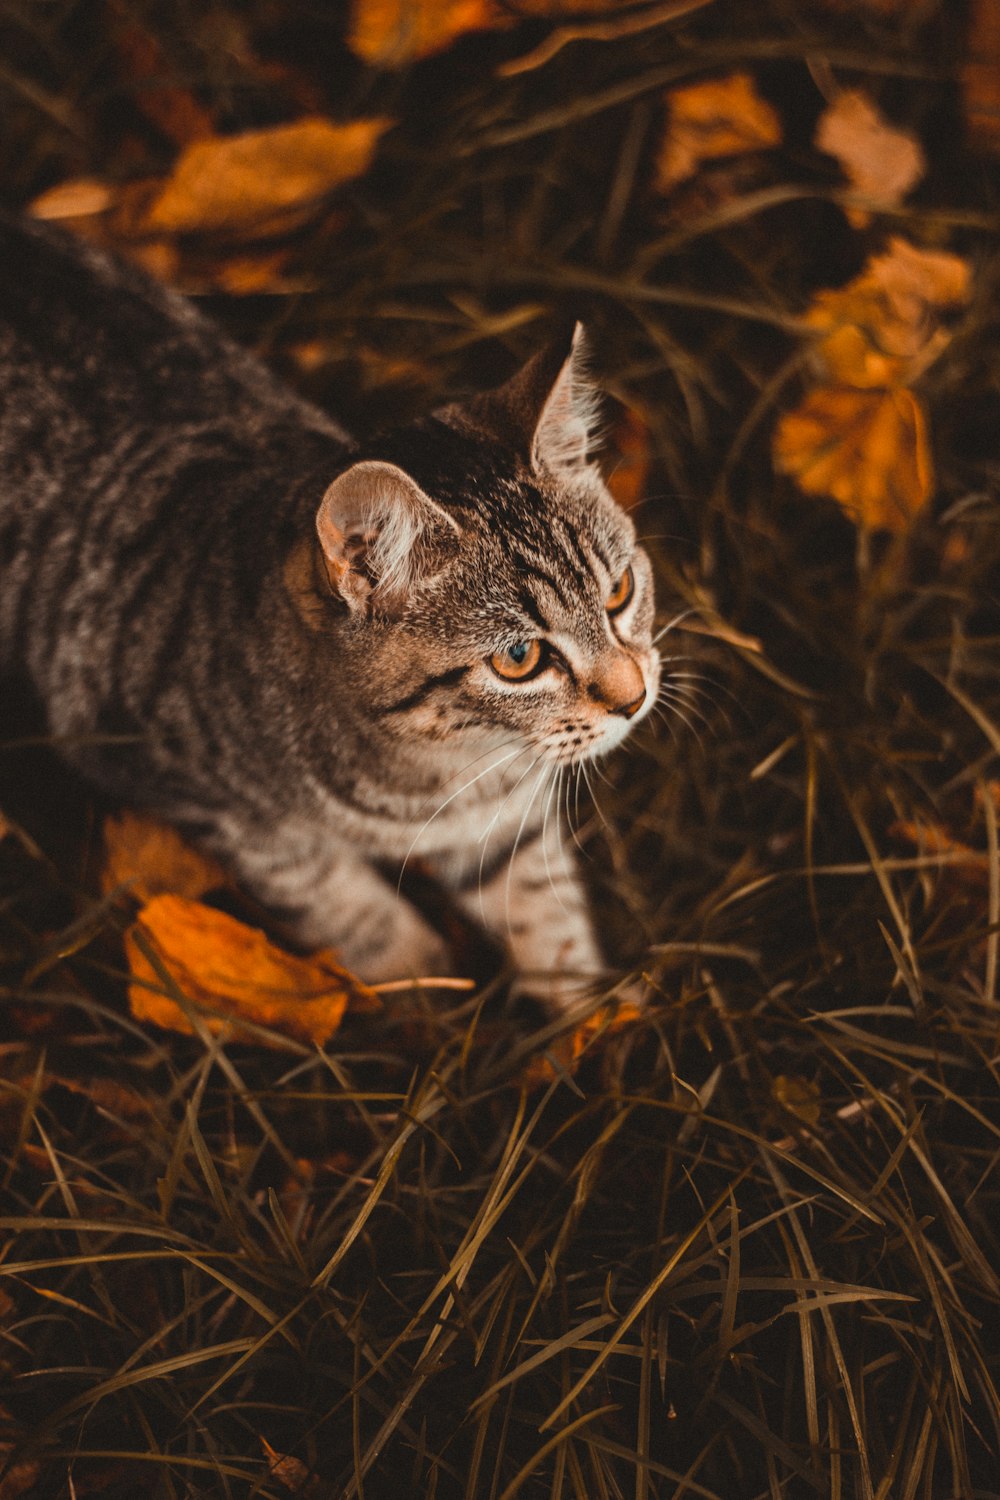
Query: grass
point(749, 1248)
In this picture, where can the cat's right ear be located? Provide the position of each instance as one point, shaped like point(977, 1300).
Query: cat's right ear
point(380, 535)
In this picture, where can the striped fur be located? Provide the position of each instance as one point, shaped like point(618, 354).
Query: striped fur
point(288, 645)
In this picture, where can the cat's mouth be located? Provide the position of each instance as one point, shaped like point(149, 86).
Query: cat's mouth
point(576, 741)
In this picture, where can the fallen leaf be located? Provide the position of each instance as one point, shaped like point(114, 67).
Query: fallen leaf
point(721, 117)
point(151, 79)
point(249, 275)
point(104, 1093)
point(981, 75)
point(390, 33)
point(630, 443)
point(233, 970)
point(867, 449)
point(290, 1472)
point(880, 161)
point(568, 1049)
point(971, 866)
point(883, 328)
point(262, 181)
point(20, 1477)
point(152, 858)
point(798, 1096)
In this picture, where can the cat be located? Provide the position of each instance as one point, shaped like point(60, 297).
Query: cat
point(318, 660)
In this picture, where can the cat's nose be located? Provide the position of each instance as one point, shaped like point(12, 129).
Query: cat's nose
point(627, 710)
point(619, 686)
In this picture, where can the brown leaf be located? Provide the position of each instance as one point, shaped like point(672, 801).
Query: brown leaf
point(867, 449)
point(153, 858)
point(262, 181)
point(169, 106)
point(390, 33)
point(21, 1476)
point(630, 441)
point(233, 970)
point(720, 117)
point(883, 328)
point(881, 162)
point(290, 1472)
point(981, 76)
point(568, 1050)
point(798, 1096)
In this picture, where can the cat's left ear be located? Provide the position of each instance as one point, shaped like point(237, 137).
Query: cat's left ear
point(381, 535)
point(548, 411)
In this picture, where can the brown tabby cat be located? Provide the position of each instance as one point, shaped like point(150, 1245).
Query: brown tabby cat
point(317, 659)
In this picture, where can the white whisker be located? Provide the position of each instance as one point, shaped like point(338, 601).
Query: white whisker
point(493, 766)
point(546, 769)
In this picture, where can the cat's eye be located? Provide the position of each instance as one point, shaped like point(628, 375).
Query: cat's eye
point(621, 594)
point(519, 661)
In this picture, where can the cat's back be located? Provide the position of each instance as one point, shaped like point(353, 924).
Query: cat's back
point(101, 344)
point(130, 428)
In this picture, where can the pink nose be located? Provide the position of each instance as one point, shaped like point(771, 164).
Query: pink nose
point(618, 685)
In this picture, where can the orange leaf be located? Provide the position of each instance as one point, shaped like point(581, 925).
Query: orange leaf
point(290, 1472)
point(630, 442)
point(390, 33)
point(233, 970)
point(570, 1048)
point(153, 858)
point(721, 117)
point(970, 865)
point(868, 449)
point(880, 161)
point(262, 180)
point(883, 328)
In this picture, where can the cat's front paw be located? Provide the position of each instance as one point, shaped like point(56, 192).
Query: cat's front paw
point(405, 948)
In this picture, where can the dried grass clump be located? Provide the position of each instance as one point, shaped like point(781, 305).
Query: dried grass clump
point(748, 1245)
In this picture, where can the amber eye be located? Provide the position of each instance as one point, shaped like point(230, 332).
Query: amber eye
point(621, 593)
point(518, 661)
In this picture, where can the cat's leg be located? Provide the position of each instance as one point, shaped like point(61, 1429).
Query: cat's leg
point(329, 896)
point(536, 904)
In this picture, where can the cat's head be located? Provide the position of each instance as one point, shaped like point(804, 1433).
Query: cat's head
point(493, 585)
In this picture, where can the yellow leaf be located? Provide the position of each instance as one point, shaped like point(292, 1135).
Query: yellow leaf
point(798, 1096)
point(867, 449)
point(390, 33)
point(883, 328)
point(231, 969)
point(262, 180)
point(721, 117)
point(153, 858)
point(878, 160)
